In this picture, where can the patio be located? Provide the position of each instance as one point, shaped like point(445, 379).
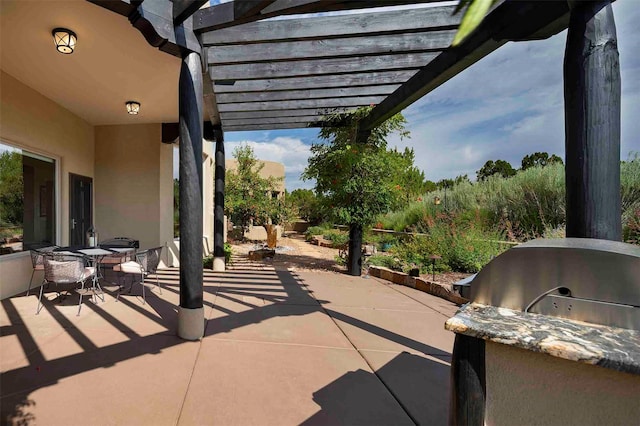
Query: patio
point(280, 347)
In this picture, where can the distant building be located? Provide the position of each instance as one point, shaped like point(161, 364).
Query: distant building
point(270, 169)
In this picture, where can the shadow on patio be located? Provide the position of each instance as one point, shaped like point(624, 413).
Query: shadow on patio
point(279, 348)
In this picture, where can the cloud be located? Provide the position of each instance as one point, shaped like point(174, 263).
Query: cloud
point(511, 104)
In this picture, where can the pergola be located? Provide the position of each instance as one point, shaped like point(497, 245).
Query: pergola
point(253, 73)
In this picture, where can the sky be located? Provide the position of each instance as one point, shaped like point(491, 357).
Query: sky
point(505, 106)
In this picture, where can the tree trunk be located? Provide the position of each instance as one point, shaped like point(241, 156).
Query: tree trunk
point(272, 236)
point(354, 260)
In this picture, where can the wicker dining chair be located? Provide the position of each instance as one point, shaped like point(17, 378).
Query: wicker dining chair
point(146, 263)
point(65, 269)
point(37, 262)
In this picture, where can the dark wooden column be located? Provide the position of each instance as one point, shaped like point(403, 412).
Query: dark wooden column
point(218, 208)
point(354, 259)
point(592, 123)
point(191, 312)
point(468, 381)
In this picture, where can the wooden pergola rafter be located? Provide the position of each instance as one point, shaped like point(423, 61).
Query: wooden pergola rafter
point(325, 62)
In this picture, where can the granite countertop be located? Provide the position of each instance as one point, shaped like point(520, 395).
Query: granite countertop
point(610, 347)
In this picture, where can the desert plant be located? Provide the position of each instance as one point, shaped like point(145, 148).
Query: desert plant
point(386, 261)
point(316, 230)
point(338, 238)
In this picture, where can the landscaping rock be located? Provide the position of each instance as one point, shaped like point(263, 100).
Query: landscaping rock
point(261, 254)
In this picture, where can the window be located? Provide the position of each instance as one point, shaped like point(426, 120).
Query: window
point(27, 200)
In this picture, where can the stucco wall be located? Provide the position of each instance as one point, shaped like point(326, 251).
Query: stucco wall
point(271, 168)
point(33, 122)
point(133, 184)
point(525, 388)
point(208, 175)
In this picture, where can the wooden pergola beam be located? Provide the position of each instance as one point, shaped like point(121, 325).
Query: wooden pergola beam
point(354, 101)
point(329, 27)
point(320, 66)
point(340, 92)
point(121, 7)
point(182, 9)
point(252, 127)
point(300, 112)
point(315, 82)
point(224, 15)
point(274, 120)
point(432, 41)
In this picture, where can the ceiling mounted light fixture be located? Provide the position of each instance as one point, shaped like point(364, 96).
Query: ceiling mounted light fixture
point(133, 107)
point(65, 40)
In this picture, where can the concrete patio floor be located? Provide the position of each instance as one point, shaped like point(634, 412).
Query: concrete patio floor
point(280, 348)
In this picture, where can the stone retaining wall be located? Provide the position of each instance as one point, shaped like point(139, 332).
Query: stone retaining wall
point(444, 291)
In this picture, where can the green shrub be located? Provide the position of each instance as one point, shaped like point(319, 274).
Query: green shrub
point(338, 238)
point(207, 261)
point(527, 205)
point(386, 261)
point(472, 250)
point(316, 230)
point(462, 249)
point(227, 253)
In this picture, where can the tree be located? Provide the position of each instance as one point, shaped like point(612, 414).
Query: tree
point(490, 168)
point(539, 159)
point(306, 205)
point(461, 179)
point(11, 189)
point(355, 179)
point(429, 186)
point(247, 194)
point(445, 183)
point(410, 179)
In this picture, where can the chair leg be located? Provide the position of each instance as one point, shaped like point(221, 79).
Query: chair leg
point(144, 298)
point(38, 308)
point(80, 299)
point(30, 281)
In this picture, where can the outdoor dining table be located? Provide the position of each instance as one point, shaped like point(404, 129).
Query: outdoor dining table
point(95, 255)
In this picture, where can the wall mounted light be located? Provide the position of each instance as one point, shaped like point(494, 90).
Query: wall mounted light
point(133, 107)
point(65, 40)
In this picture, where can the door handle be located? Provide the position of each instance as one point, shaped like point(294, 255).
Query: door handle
point(73, 224)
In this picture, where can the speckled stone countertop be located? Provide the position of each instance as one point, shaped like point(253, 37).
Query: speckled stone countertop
point(610, 347)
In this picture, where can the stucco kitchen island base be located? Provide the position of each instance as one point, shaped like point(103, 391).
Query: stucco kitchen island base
point(581, 381)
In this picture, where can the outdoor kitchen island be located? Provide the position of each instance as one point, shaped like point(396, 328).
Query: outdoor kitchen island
point(552, 336)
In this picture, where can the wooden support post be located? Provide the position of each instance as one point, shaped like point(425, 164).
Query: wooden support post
point(592, 123)
point(190, 312)
point(468, 381)
point(218, 209)
point(354, 259)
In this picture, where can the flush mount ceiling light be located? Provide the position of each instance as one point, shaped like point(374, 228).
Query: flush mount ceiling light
point(65, 40)
point(133, 107)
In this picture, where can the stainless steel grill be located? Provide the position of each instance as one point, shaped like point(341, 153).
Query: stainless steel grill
point(582, 279)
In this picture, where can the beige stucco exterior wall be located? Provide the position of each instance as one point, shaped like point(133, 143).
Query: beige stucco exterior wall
point(208, 175)
point(525, 388)
point(31, 121)
point(271, 168)
point(133, 184)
